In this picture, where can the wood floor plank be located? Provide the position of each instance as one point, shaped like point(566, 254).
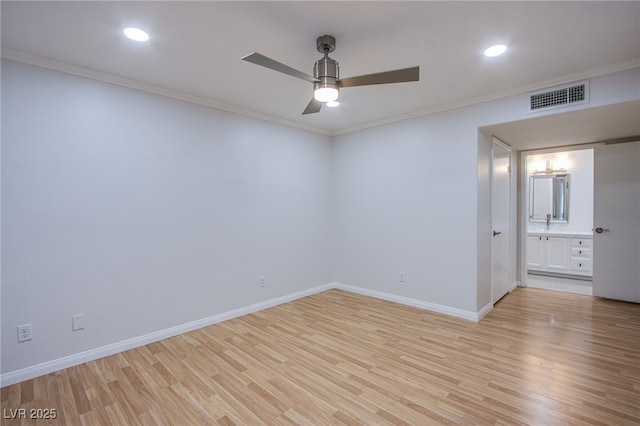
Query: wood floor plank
point(540, 357)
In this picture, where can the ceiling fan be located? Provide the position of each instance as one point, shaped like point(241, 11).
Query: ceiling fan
point(326, 74)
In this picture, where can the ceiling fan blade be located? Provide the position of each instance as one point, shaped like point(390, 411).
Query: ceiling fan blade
point(262, 60)
point(396, 76)
point(313, 107)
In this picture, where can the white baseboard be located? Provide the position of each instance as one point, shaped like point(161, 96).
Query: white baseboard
point(27, 373)
point(37, 370)
point(434, 307)
point(484, 311)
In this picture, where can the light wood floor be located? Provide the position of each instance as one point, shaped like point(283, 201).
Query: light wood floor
point(540, 357)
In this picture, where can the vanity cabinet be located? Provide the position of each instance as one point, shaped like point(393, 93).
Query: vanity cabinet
point(559, 254)
point(548, 253)
point(535, 253)
point(581, 256)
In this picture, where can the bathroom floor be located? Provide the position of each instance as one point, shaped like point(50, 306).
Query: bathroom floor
point(560, 284)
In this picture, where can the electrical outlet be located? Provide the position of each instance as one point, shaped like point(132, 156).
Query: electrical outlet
point(24, 332)
point(402, 277)
point(262, 282)
point(77, 322)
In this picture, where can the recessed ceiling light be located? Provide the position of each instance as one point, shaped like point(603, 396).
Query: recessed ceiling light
point(136, 34)
point(496, 50)
point(333, 104)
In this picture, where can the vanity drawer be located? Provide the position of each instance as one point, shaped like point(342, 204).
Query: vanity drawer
point(581, 251)
point(581, 264)
point(581, 242)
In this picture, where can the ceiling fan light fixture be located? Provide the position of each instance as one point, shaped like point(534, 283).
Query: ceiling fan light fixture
point(326, 75)
point(325, 93)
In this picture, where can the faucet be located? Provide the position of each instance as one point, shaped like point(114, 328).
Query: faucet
point(548, 220)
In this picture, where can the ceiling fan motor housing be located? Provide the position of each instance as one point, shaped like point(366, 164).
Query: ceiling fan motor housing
point(326, 69)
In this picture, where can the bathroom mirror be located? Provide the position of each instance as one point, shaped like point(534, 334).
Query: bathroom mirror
point(549, 198)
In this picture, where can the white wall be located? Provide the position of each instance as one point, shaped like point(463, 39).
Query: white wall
point(144, 212)
point(412, 197)
point(579, 164)
point(401, 187)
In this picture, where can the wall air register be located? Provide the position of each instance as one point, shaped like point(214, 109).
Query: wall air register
point(559, 96)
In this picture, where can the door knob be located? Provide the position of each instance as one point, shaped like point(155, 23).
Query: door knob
point(496, 233)
point(601, 230)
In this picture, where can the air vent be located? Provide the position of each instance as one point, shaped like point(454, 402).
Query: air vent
point(560, 96)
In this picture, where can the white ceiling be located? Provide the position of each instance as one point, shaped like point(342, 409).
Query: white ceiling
point(195, 49)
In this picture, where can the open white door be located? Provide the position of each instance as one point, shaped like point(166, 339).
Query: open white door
point(501, 220)
point(616, 245)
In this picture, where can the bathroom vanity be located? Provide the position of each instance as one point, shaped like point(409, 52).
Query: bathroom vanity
point(560, 253)
point(552, 248)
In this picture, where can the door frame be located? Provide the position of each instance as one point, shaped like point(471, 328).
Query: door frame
point(523, 199)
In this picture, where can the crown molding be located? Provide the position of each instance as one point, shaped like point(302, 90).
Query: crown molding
point(93, 74)
point(594, 72)
point(68, 68)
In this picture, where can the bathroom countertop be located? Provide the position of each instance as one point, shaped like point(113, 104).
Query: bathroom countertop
point(559, 233)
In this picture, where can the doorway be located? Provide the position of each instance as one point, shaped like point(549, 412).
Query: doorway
point(558, 192)
point(561, 131)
